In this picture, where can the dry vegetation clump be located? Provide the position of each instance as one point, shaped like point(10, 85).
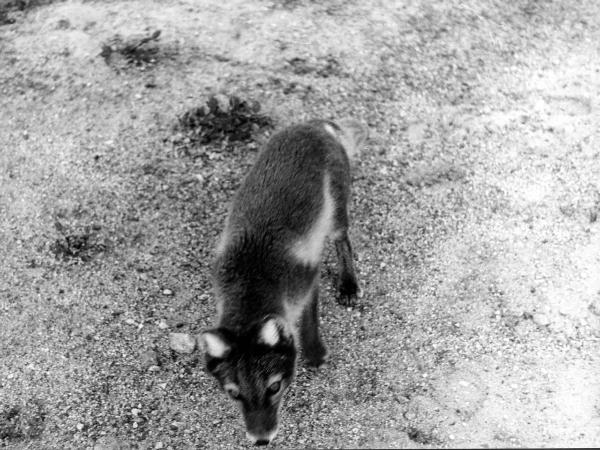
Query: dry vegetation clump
point(142, 52)
point(222, 118)
point(80, 243)
point(21, 421)
point(9, 9)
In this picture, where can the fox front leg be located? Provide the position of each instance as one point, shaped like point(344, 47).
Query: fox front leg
point(315, 352)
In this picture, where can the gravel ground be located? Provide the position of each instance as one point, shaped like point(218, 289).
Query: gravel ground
point(474, 219)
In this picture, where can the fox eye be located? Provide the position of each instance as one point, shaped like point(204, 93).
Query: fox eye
point(233, 391)
point(274, 388)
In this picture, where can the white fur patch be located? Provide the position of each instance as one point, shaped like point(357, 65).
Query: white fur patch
point(294, 308)
point(222, 244)
point(308, 248)
point(214, 345)
point(269, 334)
point(223, 239)
point(274, 378)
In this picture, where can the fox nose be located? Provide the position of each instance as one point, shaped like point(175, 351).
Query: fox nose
point(262, 439)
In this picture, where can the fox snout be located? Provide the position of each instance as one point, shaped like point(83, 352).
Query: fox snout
point(263, 439)
point(261, 425)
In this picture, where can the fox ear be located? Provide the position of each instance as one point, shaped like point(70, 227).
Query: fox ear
point(354, 132)
point(214, 344)
point(273, 330)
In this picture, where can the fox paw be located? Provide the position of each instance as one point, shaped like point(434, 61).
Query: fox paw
point(348, 290)
point(316, 356)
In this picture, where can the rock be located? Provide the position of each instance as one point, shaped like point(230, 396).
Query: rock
point(130, 321)
point(416, 133)
point(595, 307)
point(541, 319)
point(182, 342)
point(80, 427)
point(167, 292)
point(148, 359)
point(163, 324)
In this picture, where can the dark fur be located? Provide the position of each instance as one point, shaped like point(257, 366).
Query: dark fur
point(254, 272)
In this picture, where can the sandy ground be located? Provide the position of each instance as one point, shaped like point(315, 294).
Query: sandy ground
point(474, 219)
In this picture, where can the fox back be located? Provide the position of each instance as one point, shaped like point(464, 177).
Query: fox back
point(268, 261)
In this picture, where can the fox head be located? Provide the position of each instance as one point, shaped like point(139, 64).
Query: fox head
point(254, 369)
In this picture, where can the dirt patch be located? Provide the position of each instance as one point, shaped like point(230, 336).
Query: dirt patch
point(24, 421)
point(323, 67)
point(427, 174)
point(82, 242)
point(142, 52)
point(10, 9)
point(570, 105)
point(421, 437)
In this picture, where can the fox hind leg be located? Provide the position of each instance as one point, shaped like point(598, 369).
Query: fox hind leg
point(347, 281)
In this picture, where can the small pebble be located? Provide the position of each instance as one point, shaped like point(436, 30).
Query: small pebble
point(148, 359)
point(167, 292)
point(541, 319)
point(79, 427)
point(130, 321)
